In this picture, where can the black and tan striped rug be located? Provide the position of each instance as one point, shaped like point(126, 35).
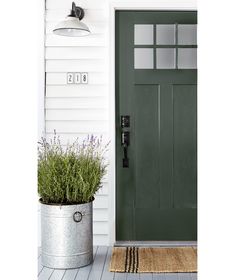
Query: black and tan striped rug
point(133, 259)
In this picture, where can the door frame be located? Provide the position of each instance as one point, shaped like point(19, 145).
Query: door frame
point(187, 5)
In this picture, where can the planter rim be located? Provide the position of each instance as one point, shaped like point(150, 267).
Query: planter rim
point(64, 204)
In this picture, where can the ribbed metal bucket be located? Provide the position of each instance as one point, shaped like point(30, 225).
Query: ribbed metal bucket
point(66, 234)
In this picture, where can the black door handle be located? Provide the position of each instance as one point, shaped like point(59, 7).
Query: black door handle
point(125, 141)
point(125, 144)
point(125, 160)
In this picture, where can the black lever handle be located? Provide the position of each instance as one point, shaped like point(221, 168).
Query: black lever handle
point(125, 141)
point(125, 160)
point(125, 144)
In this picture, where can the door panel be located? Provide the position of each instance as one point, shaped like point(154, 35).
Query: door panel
point(156, 194)
point(165, 224)
point(185, 127)
point(146, 145)
point(166, 147)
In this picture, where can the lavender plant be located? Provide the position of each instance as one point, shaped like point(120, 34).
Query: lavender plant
point(70, 175)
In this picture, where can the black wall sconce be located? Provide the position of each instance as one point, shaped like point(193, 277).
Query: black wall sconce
point(72, 25)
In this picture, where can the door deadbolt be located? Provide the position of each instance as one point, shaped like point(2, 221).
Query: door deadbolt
point(125, 121)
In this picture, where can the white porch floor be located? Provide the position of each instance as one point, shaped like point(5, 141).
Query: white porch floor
point(99, 270)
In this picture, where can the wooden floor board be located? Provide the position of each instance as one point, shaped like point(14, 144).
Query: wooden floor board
point(57, 274)
point(83, 272)
point(45, 274)
point(40, 267)
point(107, 275)
point(133, 276)
point(70, 274)
point(94, 249)
point(120, 276)
point(159, 276)
point(193, 276)
point(39, 252)
point(171, 276)
point(146, 276)
point(184, 276)
point(98, 265)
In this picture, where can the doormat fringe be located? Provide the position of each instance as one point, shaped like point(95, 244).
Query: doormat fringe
point(161, 260)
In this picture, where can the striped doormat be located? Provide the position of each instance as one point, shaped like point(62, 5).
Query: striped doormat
point(134, 259)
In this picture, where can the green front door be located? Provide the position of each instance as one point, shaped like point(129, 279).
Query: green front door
point(156, 125)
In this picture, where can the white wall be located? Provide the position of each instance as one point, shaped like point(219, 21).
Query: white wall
point(75, 110)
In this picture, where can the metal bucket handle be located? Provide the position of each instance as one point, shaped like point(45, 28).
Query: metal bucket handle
point(77, 216)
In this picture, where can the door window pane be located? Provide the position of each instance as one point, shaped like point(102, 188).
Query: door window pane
point(187, 34)
point(165, 34)
point(143, 58)
point(165, 58)
point(143, 34)
point(187, 58)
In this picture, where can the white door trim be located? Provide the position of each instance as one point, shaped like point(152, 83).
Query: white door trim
point(41, 69)
point(127, 5)
point(156, 243)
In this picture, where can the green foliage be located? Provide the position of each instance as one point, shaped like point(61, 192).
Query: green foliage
point(70, 175)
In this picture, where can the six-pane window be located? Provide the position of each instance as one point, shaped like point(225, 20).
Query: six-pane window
point(165, 46)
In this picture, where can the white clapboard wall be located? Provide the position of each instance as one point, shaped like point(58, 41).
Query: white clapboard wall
point(78, 110)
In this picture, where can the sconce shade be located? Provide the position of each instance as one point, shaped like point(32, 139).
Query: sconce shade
point(72, 25)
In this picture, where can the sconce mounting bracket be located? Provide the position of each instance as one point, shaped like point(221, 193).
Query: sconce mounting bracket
point(77, 12)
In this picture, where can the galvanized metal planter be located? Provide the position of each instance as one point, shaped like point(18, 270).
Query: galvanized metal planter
point(67, 237)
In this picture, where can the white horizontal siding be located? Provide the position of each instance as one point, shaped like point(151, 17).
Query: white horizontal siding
point(100, 215)
point(77, 115)
point(77, 110)
point(101, 240)
point(76, 90)
point(104, 190)
point(90, 14)
point(100, 228)
point(67, 4)
point(101, 202)
point(80, 65)
point(75, 53)
point(98, 40)
point(76, 126)
point(76, 103)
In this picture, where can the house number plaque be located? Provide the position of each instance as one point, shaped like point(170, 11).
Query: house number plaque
point(77, 78)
